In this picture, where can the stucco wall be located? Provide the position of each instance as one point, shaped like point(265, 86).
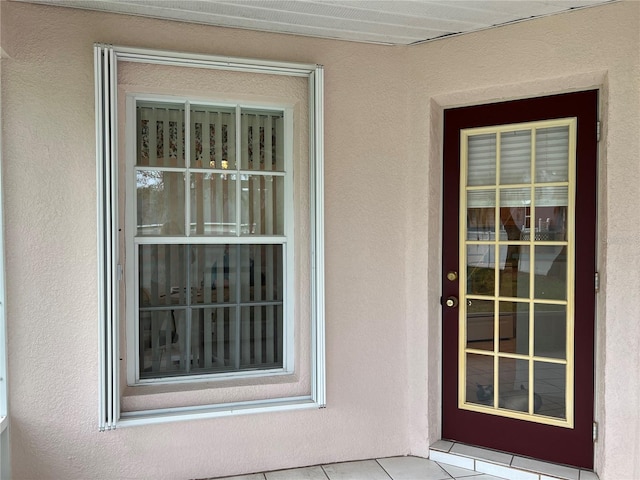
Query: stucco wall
point(51, 218)
point(382, 206)
point(597, 47)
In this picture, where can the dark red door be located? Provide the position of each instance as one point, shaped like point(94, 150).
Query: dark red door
point(519, 237)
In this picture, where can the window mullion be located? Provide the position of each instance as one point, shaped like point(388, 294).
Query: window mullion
point(239, 145)
point(189, 143)
point(238, 284)
point(188, 313)
point(238, 309)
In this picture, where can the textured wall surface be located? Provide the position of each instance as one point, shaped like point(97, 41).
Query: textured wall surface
point(592, 48)
point(51, 210)
point(383, 112)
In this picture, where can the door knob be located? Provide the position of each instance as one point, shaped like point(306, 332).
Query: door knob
point(452, 276)
point(451, 302)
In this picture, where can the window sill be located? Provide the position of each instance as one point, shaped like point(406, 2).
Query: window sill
point(166, 415)
point(220, 380)
point(211, 393)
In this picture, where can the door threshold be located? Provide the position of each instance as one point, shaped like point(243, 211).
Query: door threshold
point(503, 465)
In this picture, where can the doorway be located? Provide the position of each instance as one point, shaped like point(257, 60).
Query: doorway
point(519, 238)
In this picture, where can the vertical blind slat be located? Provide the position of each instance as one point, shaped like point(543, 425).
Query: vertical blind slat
point(245, 343)
point(268, 142)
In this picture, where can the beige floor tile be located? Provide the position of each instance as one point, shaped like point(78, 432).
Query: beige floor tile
point(255, 476)
point(309, 473)
point(363, 470)
point(457, 472)
point(413, 468)
point(549, 469)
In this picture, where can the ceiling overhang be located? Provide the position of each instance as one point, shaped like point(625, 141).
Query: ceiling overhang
point(389, 22)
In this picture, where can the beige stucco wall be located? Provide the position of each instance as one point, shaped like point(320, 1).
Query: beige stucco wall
point(51, 210)
point(382, 216)
point(597, 47)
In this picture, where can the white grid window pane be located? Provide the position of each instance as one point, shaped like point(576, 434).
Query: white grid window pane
point(207, 308)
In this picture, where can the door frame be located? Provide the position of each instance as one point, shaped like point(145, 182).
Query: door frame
point(518, 111)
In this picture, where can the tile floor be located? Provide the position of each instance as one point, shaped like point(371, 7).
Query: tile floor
point(447, 461)
point(393, 468)
point(503, 465)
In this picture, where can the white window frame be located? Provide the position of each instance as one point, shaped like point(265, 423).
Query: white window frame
point(5, 450)
point(132, 242)
point(106, 59)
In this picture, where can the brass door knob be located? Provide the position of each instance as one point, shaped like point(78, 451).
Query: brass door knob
point(452, 276)
point(451, 302)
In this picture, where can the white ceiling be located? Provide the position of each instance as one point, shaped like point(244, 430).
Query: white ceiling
point(394, 22)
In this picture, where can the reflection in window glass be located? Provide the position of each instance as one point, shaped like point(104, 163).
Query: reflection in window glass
point(210, 299)
point(160, 202)
point(213, 137)
point(479, 377)
point(550, 386)
point(160, 134)
point(205, 292)
point(551, 272)
point(480, 321)
point(552, 154)
point(514, 384)
point(550, 331)
point(482, 160)
point(514, 337)
point(515, 157)
point(481, 223)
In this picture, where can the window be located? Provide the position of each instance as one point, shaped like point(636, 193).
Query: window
point(210, 236)
point(213, 230)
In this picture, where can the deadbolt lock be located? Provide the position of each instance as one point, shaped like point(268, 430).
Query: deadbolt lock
point(451, 302)
point(452, 276)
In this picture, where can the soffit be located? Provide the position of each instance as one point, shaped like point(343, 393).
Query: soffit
point(391, 22)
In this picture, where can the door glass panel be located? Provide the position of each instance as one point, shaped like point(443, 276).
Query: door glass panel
point(551, 272)
point(550, 389)
point(515, 157)
point(481, 223)
point(479, 375)
point(480, 321)
point(515, 212)
point(550, 333)
point(514, 327)
point(514, 274)
point(482, 159)
point(481, 276)
point(516, 235)
point(551, 213)
point(552, 154)
point(514, 384)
